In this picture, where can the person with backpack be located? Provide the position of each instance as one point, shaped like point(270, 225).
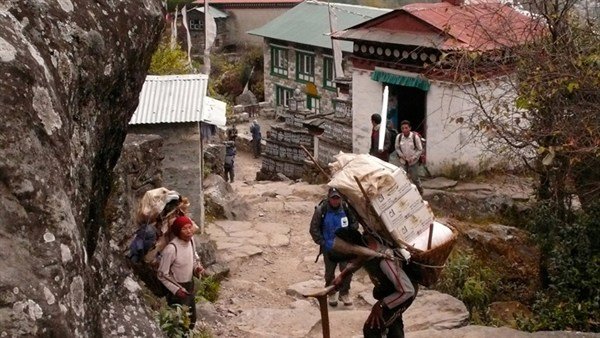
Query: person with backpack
point(332, 214)
point(409, 149)
point(232, 133)
point(228, 165)
point(179, 262)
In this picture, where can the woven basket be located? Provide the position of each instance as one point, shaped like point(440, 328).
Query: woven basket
point(426, 266)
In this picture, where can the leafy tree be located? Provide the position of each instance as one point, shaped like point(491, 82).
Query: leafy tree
point(545, 110)
point(167, 61)
point(171, 4)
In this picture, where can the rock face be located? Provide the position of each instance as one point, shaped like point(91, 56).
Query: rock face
point(71, 74)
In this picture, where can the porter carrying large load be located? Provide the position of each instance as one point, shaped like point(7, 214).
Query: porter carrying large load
point(392, 209)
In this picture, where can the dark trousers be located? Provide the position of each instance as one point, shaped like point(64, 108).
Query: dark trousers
point(229, 174)
point(330, 274)
point(394, 330)
point(187, 301)
point(256, 147)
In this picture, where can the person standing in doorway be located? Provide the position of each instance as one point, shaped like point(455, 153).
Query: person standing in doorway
point(409, 149)
point(374, 150)
point(256, 138)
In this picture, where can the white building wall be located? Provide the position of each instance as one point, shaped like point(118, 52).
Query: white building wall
point(449, 142)
point(366, 101)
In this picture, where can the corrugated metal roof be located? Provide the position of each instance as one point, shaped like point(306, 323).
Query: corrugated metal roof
point(478, 26)
point(171, 99)
point(308, 23)
point(433, 40)
point(215, 13)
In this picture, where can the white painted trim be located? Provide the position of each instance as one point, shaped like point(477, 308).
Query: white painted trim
point(304, 51)
point(399, 72)
point(279, 46)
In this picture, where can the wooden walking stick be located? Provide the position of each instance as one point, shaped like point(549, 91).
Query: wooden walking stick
point(321, 296)
point(315, 162)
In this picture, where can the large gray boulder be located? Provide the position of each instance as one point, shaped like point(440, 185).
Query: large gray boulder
point(71, 74)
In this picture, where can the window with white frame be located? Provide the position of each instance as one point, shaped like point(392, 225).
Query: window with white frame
point(313, 103)
point(282, 95)
point(305, 67)
point(279, 61)
point(328, 73)
point(196, 25)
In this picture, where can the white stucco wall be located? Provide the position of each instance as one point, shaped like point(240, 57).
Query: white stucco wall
point(366, 101)
point(448, 142)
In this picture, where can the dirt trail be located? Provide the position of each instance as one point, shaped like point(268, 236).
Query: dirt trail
point(260, 281)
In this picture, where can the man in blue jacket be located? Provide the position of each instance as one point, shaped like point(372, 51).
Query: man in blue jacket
point(331, 215)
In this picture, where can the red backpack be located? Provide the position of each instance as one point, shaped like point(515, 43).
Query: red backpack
point(422, 158)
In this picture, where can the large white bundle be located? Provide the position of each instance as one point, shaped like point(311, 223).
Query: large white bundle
point(441, 234)
point(396, 201)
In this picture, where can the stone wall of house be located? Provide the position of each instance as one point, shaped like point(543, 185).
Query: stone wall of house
point(180, 166)
point(337, 135)
point(327, 95)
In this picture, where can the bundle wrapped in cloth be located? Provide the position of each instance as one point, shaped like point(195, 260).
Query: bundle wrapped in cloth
point(392, 208)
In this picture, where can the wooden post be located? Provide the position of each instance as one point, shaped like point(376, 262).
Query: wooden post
point(430, 236)
point(315, 162)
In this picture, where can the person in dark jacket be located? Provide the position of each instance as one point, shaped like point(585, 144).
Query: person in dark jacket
point(256, 138)
point(393, 289)
point(229, 163)
point(387, 143)
point(331, 215)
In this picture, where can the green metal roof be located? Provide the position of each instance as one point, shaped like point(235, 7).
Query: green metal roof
point(308, 23)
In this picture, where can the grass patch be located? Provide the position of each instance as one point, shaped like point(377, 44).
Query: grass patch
point(207, 288)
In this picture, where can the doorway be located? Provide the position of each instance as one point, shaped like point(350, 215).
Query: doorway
point(407, 103)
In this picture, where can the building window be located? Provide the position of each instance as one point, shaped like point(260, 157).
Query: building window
point(279, 61)
point(328, 73)
point(313, 103)
point(282, 96)
point(305, 67)
point(196, 25)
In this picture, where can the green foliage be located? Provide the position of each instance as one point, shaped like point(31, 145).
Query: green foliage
point(208, 288)
point(166, 61)
point(571, 262)
point(171, 4)
point(174, 322)
point(466, 278)
point(231, 75)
